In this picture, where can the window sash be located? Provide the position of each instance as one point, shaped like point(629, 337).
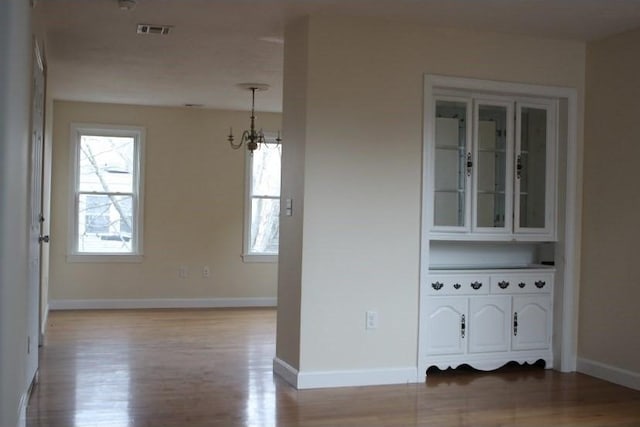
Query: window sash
point(135, 252)
point(248, 254)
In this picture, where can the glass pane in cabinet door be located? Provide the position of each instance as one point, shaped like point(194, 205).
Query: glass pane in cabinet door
point(531, 167)
point(491, 166)
point(450, 178)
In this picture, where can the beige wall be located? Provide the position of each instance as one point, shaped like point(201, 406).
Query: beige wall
point(362, 161)
point(193, 208)
point(15, 91)
point(293, 154)
point(610, 289)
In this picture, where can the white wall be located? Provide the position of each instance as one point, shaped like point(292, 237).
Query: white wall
point(610, 290)
point(193, 209)
point(362, 173)
point(15, 71)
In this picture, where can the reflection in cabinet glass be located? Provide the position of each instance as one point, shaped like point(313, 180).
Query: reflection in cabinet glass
point(450, 191)
point(531, 166)
point(491, 165)
point(494, 171)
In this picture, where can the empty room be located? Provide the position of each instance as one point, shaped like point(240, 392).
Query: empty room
point(319, 213)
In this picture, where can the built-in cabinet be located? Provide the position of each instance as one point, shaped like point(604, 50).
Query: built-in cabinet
point(486, 318)
point(493, 168)
point(489, 218)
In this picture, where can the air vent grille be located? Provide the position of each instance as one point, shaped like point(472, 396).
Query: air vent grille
point(161, 30)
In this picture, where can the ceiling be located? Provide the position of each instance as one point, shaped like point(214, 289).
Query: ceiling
point(94, 53)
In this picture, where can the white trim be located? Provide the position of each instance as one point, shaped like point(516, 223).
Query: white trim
point(43, 325)
point(260, 258)
point(117, 304)
point(285, 371)
point(99, 258)
point(357, 377)
point(609, 373)
point(139, 135)
point(247, 255)
point(22, 411)
point(572, 231)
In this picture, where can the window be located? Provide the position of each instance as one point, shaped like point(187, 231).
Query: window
point(262, 205)
point(106, 183)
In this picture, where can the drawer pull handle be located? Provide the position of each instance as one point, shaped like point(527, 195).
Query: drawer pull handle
point(437, 285)
point(522, 285)
point(476, 285)
point(503, 284)
point(469, 164)
point(457, 286)
point(463, 326)
point(515, 324)
point(540, 284)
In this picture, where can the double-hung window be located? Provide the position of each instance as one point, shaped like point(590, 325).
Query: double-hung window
point(262, 204)
point(106, 184)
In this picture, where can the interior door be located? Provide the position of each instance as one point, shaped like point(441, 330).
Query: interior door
point(35, 212)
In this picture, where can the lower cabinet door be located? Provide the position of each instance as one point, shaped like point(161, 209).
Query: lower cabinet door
point(531, 322)
point(446, 325)
point(489, 324)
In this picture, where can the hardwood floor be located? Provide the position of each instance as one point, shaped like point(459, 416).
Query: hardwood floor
point(214, 368)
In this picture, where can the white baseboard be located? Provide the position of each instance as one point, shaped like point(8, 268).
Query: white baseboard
point(22, 411)
point(609, 373)
point(285, 371)
point(354, 378)
point(359, 377)
point(115, 304)
point(346, 378)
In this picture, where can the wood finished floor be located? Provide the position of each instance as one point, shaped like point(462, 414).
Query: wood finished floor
point(214, 368)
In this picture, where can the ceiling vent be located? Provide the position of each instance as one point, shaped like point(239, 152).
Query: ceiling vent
point(162, 30)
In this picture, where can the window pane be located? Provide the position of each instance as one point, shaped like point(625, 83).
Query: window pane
point(105, 223)
point(265, 225)
point(106, 164)
point(266, 171)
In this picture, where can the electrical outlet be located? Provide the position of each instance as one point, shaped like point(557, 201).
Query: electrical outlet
point(371, 320)
point(206, 272)
point(183, 272)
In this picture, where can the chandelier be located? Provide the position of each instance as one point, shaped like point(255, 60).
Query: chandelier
point(251, 137)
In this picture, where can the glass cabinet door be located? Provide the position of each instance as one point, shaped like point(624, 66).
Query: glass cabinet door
point(533, 141)
point(450, 164)
point(492, 167)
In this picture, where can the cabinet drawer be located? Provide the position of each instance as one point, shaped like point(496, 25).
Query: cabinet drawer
point(521, 283)
point(470, 284)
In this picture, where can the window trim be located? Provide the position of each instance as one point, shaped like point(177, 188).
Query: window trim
point(138, 134)
point(247, 256)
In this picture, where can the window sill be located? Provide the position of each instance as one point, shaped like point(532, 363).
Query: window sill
point(249, 258)
point(105, 258)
